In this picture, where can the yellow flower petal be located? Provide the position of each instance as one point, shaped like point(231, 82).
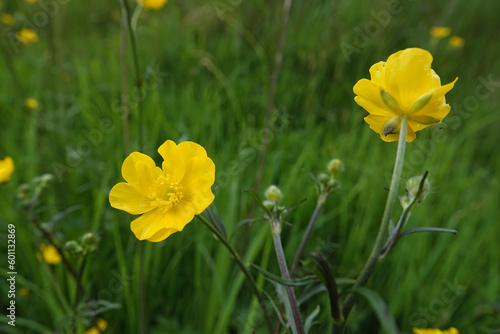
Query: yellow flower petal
point(189, 150)
point(436, 107)
point(173, 162)
point(439, 32)
point(200, 176)
point(6, 169)
point(140, 171)
point(409, 75)
point(369, 97)
point(162, 234)
point(125, 197)
point(377, 124)
point(377, 73)
point(152, 4)
point(148, 224)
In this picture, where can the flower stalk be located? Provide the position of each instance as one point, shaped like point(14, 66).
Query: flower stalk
point(373, 259)
point(286, 275)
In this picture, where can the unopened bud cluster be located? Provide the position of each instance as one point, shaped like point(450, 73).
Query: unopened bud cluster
point(327, 182)
point(412, 191)
point(273, 196)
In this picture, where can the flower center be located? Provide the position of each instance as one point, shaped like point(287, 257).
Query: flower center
point(165, 192)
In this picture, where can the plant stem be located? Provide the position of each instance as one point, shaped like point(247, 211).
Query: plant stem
point(314, 217)
point(289, 290)
point(242, 266)
point(372, 261)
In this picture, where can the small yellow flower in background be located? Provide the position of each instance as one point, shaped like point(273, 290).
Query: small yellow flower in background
point(456, 41)
point(101, 327)
point(152, 4)
point(7, 19)
point(31, 103)
point(25, 292)
point(167, 198)
point(49, 254)
point(6, 169)
point(27, 36)
point(452, 330)
point(439, 32)
point(31, 1)
point(404, 85)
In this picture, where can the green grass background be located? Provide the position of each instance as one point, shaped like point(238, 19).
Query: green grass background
point(214, 92)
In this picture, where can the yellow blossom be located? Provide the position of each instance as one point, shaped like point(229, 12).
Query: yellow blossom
point(100, 328)
point(31, 1)
point(102, 324)
point(7, 19)
point(439, 32)
point(456, 41)
point(167, 198)
point(25, 292)
point(405, 85)
point(49, 254)
point(27, 36)
point(31, 103)
point(452, 330)
point(152, 4)
point(6, 169)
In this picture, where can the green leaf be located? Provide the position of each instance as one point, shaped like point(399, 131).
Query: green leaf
point(258, 201)
point(428, 229)
point(325, 274)
point(380, 308)
point(278, 279)
point(310, 319)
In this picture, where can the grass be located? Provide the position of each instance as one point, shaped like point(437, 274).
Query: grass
point(214, 92)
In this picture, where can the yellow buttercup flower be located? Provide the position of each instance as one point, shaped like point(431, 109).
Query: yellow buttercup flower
point(167, 198)
point(452, 330)
point(49, 254)
point(6, 169)
point(439, 32)
point(27, 36)
point(31, 103)
point(152, 4)
point(7, 19)
point(405, 85)
point(456, 41)
point(101, 327)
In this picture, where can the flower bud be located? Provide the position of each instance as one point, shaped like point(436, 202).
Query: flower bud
point(89, 239)
point(73, 247)
point(268, 204)
point(273, 194)
point(23, 191)
point(335, 166)
point(413, 184)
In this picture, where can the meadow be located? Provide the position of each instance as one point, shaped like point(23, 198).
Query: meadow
point(206, 71)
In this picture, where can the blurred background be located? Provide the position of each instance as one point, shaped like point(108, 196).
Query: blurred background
point(206, 67)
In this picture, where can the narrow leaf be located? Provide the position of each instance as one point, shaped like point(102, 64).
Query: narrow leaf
point(257, 200)
point(310, 319)
point(380, 308)
point(278, 279)
point(428, 229)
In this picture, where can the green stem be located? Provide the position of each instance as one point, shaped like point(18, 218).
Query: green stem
point(314, 217)
point(289, 290)
point(372, 261)
point(242, 266)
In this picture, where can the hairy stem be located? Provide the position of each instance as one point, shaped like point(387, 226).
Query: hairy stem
point(372, 261)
